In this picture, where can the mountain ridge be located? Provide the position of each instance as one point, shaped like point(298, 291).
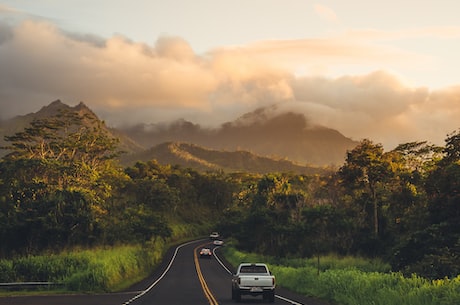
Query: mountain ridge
point(206, 159)
point(18, 123)
point(265, 132)
point(260, 141)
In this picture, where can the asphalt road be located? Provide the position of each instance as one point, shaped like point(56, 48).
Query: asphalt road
point(183, 278)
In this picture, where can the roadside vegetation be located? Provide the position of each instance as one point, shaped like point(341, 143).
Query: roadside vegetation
point(351, 280)
point(64, 195)
point(98, 269)
point(401, 206)
point(70, 215)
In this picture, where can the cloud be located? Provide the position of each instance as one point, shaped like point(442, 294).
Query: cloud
point(41, 63)
point(130, 82)
point(372, 104)
point(5, 33)
point(46, 63)
point(438, 32)
point(175, 48)
point(326, 13)
point(6, 9)
point(336, 56)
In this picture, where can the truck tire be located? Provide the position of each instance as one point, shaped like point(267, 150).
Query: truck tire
point(271, 296)
point(237, 296)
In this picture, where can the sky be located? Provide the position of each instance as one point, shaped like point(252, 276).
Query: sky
point(388, 71)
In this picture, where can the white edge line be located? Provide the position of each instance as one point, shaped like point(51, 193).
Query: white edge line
point(162, 275)
point(220, 262)
point(288, 300)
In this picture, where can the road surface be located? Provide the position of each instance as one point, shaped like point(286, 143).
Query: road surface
point(183, 278)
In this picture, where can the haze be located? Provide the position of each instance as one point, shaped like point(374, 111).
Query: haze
point(386, 71)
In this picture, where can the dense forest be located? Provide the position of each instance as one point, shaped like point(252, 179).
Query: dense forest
point(62, 187)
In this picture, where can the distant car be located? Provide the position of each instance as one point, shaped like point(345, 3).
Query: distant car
point(214, 235)
point(205, 252)
point(218, 242)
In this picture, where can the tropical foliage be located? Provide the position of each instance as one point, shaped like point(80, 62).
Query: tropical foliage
point(401, 205)
point(350, 281)
point(62, 188)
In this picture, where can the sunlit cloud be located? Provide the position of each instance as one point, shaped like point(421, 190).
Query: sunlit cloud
point(438, 32)
point(334, 57)
point(13, 15)
point(326, 13)
point(41, 58)
point(7, 9)
point(128, 82)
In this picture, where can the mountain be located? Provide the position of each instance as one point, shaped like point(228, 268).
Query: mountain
point(260, 141)
point(265, 132)
point(205, 159)
point(18, 123)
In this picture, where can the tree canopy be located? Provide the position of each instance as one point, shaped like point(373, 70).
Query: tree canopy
point(61, 186)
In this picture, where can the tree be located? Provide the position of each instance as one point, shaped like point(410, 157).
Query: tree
point(443, 184)
point(452, 148)
point(418, 158)
point(69, 150)
point(366, 169)
point(431, 247)
point(411, 163)
point(56, 178)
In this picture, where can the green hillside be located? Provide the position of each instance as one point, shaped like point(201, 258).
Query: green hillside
point(205, 159)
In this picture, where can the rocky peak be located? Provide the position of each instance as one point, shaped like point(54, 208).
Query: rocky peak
point(52, 108)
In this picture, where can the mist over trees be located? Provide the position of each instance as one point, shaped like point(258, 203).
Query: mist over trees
point(61, 187)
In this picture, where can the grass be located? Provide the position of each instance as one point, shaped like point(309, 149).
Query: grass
point(354, 281)
point(94, 270)
point(104, 269)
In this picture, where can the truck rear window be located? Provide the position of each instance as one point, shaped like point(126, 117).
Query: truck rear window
point(253, 269)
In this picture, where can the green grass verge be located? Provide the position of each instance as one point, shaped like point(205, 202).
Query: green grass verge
point(103, 269)
point(94, 270)
point(354, 281)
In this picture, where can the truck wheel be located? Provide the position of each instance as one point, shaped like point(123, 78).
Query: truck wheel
point(237, 296)
point(271, 297)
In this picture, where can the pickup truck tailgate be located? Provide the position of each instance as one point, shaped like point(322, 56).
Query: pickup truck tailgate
point(256, 281)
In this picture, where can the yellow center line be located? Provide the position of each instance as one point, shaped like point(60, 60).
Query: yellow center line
point(208, 294)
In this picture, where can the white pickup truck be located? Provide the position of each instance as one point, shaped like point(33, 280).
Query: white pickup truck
point(254, 280)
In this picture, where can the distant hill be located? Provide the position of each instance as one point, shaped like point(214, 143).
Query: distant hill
point(204, 159)
point(264, 132)
point(261, 141)
point(18, 123)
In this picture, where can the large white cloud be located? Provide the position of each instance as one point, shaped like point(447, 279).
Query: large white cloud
point(131, 82)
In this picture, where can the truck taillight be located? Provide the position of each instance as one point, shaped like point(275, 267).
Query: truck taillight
point(239, 281)
point(273, 281)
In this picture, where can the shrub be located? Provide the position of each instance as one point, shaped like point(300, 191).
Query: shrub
point(6, 271)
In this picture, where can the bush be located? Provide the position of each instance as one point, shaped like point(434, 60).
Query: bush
point(6, 271)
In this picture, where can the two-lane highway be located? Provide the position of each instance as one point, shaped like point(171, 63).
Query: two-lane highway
point(195, 280)
point(183, 279)
point(180, 284)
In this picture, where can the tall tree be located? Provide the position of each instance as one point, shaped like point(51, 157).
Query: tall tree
point(366, 169)
point(432, 248)
point(71, 148)
point(56, 177)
